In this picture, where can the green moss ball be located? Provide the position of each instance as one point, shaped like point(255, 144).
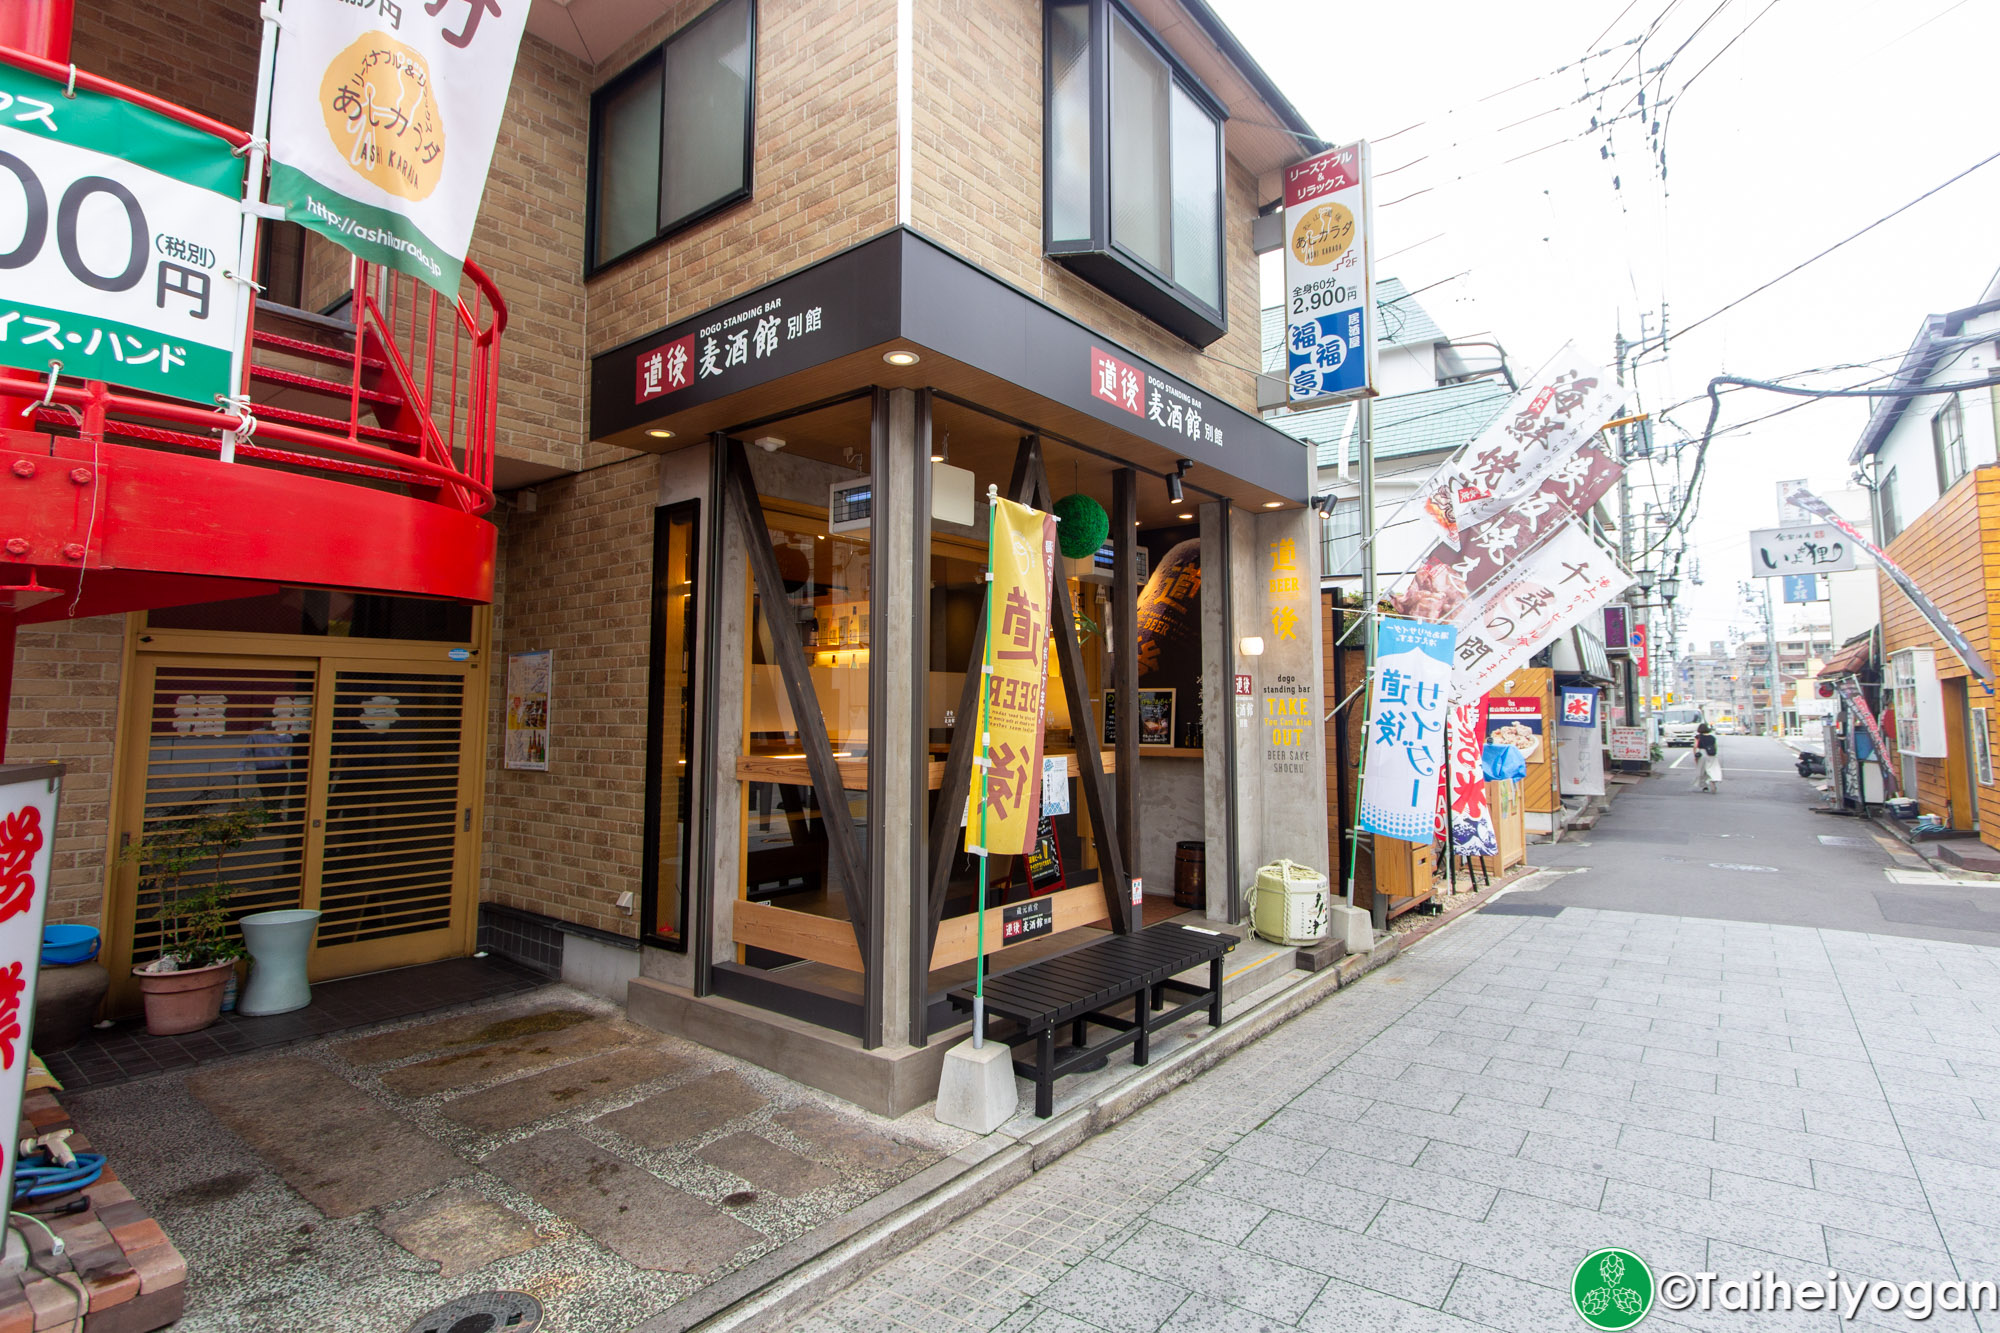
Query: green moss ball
point(1084, 526)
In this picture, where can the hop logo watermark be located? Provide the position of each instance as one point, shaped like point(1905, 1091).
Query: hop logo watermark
point(1612, 1289)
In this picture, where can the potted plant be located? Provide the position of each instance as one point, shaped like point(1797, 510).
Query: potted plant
point(181, 861)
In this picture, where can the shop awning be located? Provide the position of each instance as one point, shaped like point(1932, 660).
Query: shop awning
point(1850, 660)
point(824, 331)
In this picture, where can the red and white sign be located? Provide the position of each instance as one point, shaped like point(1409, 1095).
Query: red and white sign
point(1566, 578)
point(1327, 173)
point(1117, 383)
point(1538, 430)
point(665, 369)
point(1641, 659)
point(1628, 743)
point(1243, 687)
point(27, 843)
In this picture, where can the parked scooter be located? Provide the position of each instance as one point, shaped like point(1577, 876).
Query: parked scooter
point(1812, 764)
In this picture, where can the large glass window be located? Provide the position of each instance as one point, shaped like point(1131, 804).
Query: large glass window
point(1133, 167)
point(671, 137)
point(670, 775)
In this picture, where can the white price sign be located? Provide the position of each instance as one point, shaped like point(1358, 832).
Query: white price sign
point(1329, 277)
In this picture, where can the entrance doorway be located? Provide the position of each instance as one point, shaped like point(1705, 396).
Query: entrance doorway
point(363, 757)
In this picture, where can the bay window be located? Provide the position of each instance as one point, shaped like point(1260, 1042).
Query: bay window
point(1133, 168)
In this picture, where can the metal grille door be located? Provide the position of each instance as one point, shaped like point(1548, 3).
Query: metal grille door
point(393, 805)
point(365, 768)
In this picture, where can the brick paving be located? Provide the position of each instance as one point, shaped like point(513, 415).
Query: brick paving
point(1440, 1145)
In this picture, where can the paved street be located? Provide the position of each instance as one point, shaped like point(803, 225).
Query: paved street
point(1724, 1046)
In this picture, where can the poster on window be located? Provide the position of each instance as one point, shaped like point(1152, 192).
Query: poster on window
point(118, 223)
point(383, 120)
point(1020, 555)
point(1329, 280)
point(1516, 720)
point(1406, 718)
point(528, 679)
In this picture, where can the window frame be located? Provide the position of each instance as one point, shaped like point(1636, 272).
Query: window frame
point(1885, 502)
point(665, 518)
point(654, 62)
point(1953, 451)
point(1100, 258)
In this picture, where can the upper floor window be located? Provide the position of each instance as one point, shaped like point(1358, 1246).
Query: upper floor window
point(1133, 168)
point(1948, 438)
point(1885, 495)
point(670, 138)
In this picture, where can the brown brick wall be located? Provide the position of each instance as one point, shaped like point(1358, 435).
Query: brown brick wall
point(824, 169)
point(577, 579)
point(976, 187)
point(65, 707)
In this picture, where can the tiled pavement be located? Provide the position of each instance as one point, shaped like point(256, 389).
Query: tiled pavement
point(125, 1051)
point(1438, 1147)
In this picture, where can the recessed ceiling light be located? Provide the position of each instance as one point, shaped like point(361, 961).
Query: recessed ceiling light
point(902, 356)
point(1184, 516)
point(1274, 504)
point(659, 434)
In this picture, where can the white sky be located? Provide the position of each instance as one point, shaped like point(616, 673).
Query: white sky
point(1822, 117)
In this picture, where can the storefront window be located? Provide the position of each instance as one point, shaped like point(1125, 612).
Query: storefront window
point(787, 856)
point(670, 776)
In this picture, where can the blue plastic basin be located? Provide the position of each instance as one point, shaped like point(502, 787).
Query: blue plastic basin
point(66, 944)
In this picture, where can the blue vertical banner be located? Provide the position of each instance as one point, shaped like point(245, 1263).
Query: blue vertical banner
point(1801, 587)
point(1579, 707)
point(1406, 724)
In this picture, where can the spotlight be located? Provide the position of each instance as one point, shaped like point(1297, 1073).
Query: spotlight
point(1174, 488)
point(1324, 503)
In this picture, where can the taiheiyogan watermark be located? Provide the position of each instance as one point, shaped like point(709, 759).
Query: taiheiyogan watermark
point(1613, 1289)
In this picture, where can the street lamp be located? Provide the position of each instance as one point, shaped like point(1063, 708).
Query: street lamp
point(1670, 587)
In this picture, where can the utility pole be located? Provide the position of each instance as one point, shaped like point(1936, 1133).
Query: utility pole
point(1625, 535)
point(1379, 909)
point(1771, 641)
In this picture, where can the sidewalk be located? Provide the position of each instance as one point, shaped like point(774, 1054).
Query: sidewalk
point(1441, 1145)
point(542, 1143)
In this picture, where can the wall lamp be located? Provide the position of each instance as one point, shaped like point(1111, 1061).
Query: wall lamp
point(1252, 646)
point(1181, 465)
point(1324, 503)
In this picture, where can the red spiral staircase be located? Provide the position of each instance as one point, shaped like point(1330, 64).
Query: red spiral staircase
point(365, 461)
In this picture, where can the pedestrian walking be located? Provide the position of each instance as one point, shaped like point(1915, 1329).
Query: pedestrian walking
point(1707, 763)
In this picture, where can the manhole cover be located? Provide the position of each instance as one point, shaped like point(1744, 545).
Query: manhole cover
point(484, 1312)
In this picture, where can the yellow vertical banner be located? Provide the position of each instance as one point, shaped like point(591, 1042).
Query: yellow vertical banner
point(1019, 558)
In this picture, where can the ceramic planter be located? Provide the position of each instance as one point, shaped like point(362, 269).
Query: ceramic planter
point(278, 943)
point(184, 1001)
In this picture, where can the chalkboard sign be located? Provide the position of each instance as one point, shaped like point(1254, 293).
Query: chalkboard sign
point(1025, 920)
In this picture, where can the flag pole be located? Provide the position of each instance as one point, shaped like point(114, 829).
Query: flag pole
point(985, 765)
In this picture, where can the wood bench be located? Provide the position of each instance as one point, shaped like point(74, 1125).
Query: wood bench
point(1081, 986)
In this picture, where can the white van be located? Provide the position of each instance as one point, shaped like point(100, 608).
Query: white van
point(1677, 725)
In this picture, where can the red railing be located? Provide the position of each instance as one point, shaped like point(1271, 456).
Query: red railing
point(424, 367)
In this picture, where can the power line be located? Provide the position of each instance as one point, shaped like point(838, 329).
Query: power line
point(1684, 330)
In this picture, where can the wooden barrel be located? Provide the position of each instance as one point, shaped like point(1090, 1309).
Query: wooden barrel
point(1190, 875)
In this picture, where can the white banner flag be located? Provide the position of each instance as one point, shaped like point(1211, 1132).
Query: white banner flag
point(1540, 595)
point(383, 119)
point(1406, 719)
point(1553, 415)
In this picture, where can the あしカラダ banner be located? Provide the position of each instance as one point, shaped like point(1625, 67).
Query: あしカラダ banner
point(383, 120)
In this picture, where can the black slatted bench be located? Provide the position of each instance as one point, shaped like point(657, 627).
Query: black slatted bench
point(1081, 986)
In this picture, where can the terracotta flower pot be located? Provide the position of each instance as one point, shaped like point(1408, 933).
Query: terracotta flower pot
point(184, 1001)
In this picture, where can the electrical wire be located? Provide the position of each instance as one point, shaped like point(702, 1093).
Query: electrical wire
point(1686, 329)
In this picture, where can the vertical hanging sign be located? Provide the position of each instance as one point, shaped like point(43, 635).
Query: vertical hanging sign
point(1021, 554)
point(27, 841)
point(1406, 719)
point(1329, 278)
point(383, 120)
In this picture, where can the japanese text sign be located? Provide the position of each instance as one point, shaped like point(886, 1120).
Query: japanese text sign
point(1406, 721)
point(1472, 832)
point(1329, 279)
point(1017, 655)
point(1640, 641)
point(1801, 587)
point(1154, 399)
point(1579, 707)
point(383, 120)
point(27, 843)
point(118, 223)
point(1628, 744)
point(1569, 576)
point(741, 338)
point(1805, 548)
point(1552, 416)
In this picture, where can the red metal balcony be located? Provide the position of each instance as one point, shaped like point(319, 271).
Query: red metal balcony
point(364, 462)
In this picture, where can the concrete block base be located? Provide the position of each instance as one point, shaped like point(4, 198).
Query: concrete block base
point(1352, 927)
point(976, 1088)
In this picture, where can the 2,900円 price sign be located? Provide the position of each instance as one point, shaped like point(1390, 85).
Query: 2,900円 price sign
point(116, 224)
